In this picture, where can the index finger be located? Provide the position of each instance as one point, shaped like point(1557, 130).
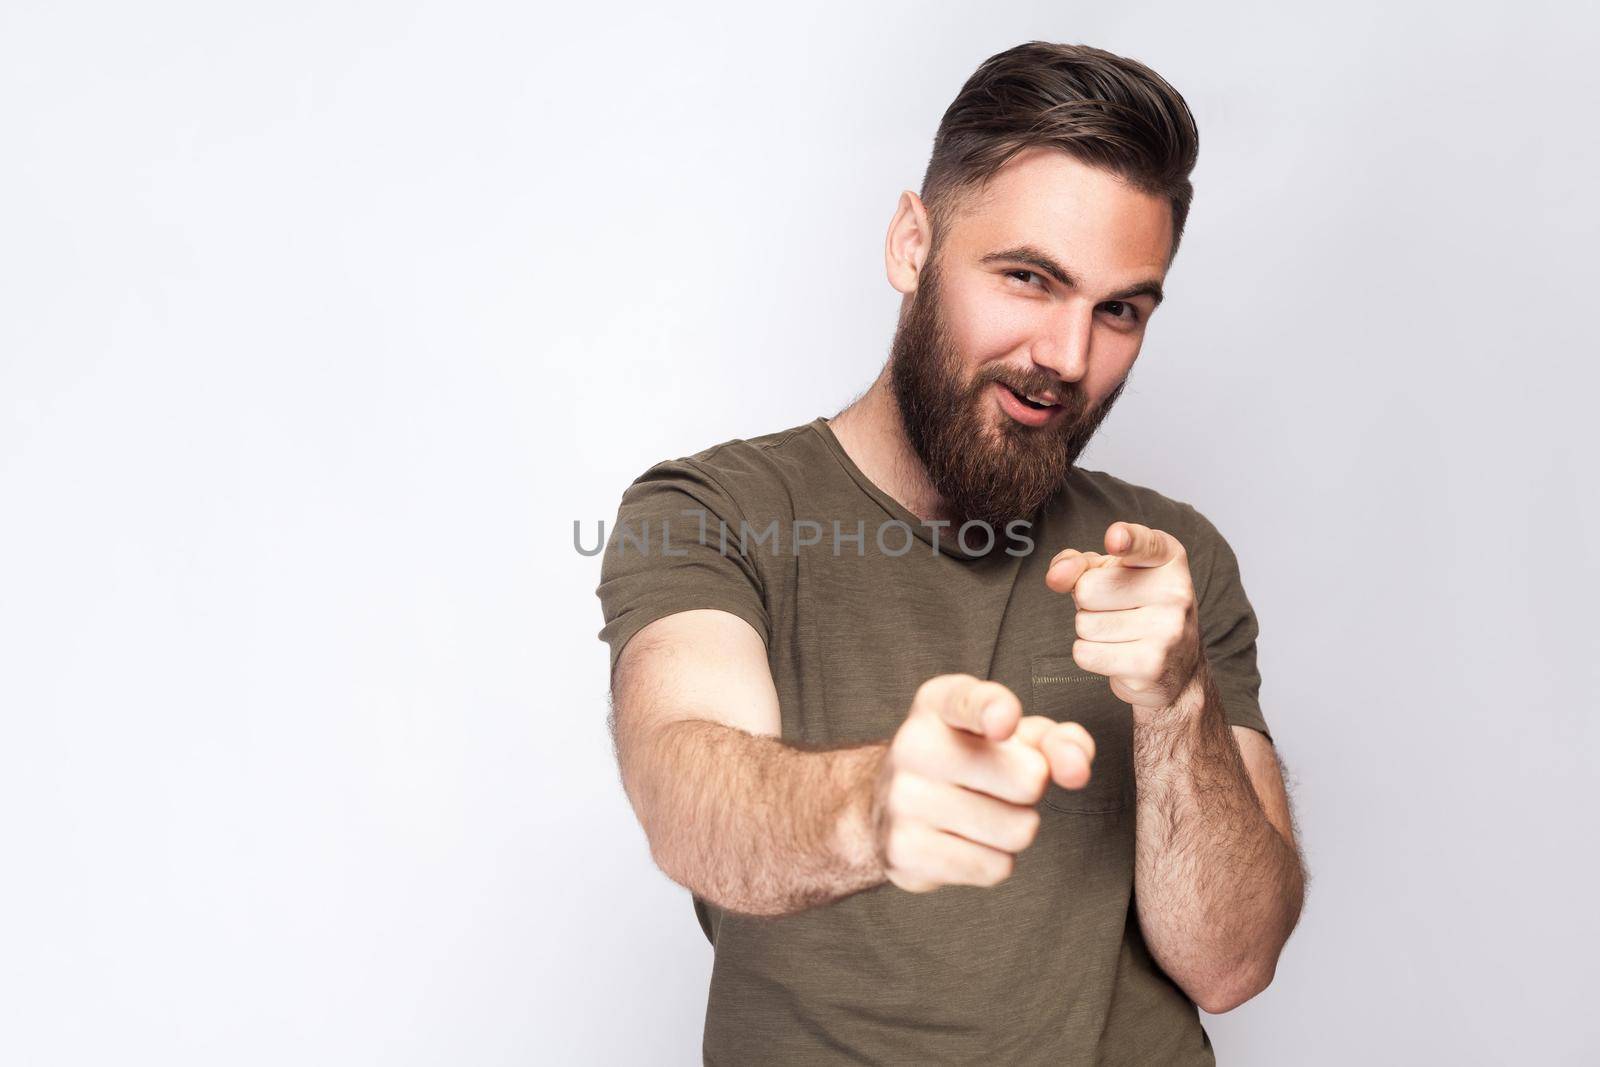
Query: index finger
point(1145, 547)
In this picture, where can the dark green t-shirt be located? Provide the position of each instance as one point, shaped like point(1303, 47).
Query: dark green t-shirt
point(859, 602)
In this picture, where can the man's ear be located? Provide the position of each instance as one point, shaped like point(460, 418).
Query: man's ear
point(906, 247)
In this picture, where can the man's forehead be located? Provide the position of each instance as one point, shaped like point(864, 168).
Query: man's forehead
point(1085, 217)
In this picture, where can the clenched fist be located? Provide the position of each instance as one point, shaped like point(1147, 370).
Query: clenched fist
point(954, 798)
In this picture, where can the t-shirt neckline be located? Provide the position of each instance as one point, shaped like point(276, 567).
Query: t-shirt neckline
point(948, 542)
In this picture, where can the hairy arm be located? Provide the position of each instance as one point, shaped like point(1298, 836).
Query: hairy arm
point(742, 819)
point(1218, 876)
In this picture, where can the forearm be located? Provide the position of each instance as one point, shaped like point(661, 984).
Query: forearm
point(1218, 887)
point(752, 824)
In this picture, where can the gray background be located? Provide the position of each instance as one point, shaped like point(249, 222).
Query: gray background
point(324, 322)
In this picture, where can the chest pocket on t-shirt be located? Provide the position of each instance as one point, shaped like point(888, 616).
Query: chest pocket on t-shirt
point(1066, 692)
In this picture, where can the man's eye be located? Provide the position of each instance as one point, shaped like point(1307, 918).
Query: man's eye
point(1122, 310)
point(1025, 275)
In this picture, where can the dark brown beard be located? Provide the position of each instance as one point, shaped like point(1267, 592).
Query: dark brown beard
point(982, 476)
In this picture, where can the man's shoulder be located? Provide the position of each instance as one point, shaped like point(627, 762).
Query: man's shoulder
point(1123, 500)
point(741, 455)
point(750, 472)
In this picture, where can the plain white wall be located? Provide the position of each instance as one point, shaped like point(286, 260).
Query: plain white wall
point(322, 323)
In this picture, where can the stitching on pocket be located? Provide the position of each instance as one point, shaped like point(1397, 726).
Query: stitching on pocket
point(1066, 692)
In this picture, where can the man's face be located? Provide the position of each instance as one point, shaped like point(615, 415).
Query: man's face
point(1003, 371)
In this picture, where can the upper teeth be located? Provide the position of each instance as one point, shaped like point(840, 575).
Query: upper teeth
point(1039, 399)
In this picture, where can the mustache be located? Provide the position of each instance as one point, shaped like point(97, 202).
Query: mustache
point(1068, 394)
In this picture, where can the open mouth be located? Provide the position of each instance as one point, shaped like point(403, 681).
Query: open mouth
point(1029, 409)
point(1033, 400)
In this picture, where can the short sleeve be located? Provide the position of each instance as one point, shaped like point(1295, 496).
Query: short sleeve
point(1228, 626)
point(674, 547)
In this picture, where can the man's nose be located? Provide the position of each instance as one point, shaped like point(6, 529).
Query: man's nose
point(1064, 347)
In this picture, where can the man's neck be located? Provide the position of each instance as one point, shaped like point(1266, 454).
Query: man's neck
point(872, 434)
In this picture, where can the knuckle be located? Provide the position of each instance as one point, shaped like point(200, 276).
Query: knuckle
point(901, 799)
point(996, 868)
point(912, 883)
point(898, 849)
point(924, 736)
point(1151, 662)
point(1034, 775)
point(1084, 740)
point(908, 743)
point(1027, 829)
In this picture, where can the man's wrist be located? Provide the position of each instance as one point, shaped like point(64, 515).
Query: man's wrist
point(1193, 702)
point(855, 834)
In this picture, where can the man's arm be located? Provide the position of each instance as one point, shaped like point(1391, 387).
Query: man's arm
point(1218, 878)
point(731, 812)
point(759, 826)
point(1218, 881)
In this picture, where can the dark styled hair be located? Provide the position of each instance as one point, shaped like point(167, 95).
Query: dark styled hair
point(1102, 109)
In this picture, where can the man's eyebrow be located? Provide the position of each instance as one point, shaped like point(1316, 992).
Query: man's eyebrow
point(1033, 257)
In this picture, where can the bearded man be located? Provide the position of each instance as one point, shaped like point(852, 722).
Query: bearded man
point(957, 744)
